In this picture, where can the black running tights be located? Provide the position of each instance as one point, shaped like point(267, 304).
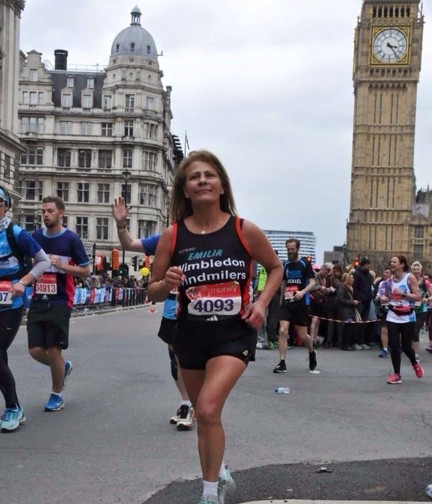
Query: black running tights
point(10, 321)
point(401, 335)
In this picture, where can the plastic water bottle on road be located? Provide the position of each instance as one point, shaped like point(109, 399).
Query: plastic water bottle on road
point(282, 390)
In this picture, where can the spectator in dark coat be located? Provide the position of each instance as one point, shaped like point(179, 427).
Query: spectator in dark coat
point(363, 293)
point(346, 312)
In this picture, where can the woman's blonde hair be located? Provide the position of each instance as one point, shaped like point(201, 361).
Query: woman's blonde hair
point(345, 276)
point(180, 205)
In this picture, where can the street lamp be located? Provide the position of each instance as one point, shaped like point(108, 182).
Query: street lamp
point(344, 251)
point(126, 175)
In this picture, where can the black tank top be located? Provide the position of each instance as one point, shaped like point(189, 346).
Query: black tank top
point(218, 269)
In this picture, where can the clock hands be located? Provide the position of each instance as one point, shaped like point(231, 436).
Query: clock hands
point(393, 48)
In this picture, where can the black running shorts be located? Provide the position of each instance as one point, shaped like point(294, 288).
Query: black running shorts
point(48, 325)
point(166, 330)
point(197, 342)
point(296, 313)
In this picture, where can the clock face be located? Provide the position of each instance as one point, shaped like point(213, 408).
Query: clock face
point(390, 45)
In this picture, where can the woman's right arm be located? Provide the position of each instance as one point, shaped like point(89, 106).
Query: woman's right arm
point(164, 277)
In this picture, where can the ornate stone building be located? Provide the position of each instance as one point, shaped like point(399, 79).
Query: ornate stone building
point(92, 135)
point(10, 147)
point(386, 216)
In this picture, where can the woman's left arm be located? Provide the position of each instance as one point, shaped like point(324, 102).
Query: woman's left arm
point(415, 294)
point(264, 254)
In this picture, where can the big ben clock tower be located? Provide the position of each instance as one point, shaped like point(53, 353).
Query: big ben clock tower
point(387, 59)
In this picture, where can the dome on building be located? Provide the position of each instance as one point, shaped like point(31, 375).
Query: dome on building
point(134, 40)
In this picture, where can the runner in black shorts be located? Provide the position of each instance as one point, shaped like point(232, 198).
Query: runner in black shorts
point(52, 301)
point(207, 254)
point(298, 280)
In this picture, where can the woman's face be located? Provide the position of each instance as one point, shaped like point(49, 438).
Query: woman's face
point(349, 280)
point(3, 208)
point(416, 270)
point(395, 265)
point(203, 183)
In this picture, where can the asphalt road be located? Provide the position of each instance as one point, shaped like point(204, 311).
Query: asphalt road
point(113, 443)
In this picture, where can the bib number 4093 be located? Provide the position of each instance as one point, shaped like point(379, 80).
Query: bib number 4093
point(214, 305)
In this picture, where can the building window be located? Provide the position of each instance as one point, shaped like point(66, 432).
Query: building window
point(146, 228)
point(105, 159)
point(82, 227)
point(33, 75)
point(65, 127)
point(70, 81)
point(418, 252)
point(132, 46)
point(128, 128)
point(64, 157)
point(66, 100)
point(150, 130)
point(32, 125)
point(107, 102)
point(33, 98)
point(83, 192)
point(33, 190)
point(86, 128)
point(87, 101)
point(150, 160)
point(149, 103)
point(103, 193)
point(63, 190)
point(33, 156)
point(90, 82)
point(127, 158)
point(148, 49)
point(84, 158)
point(148, 195)
point(31, 222)
point(418, 232)
point(7, 167)
point(102, 228)
point(107, 129)
point(130, 102)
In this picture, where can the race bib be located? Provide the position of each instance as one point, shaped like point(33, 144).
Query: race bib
point(290, 292)
point(5, 293)
point(47, 284)
point(223, 299)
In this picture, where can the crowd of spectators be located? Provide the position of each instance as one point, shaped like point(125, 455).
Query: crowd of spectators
point(104, 280)
point(345, 311)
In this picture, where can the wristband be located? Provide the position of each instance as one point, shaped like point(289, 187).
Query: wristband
point(121, 228)
point(22, 283)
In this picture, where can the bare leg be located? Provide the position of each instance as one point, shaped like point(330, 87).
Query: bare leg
point(53, 358)
point(208, 391)
point(384, 336)
point(314, 328)
point(304, 336)
point(283, 338)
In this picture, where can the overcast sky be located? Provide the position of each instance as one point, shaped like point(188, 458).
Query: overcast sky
point(265, 84)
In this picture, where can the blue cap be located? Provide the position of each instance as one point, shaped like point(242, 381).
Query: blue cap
point(5, 196)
